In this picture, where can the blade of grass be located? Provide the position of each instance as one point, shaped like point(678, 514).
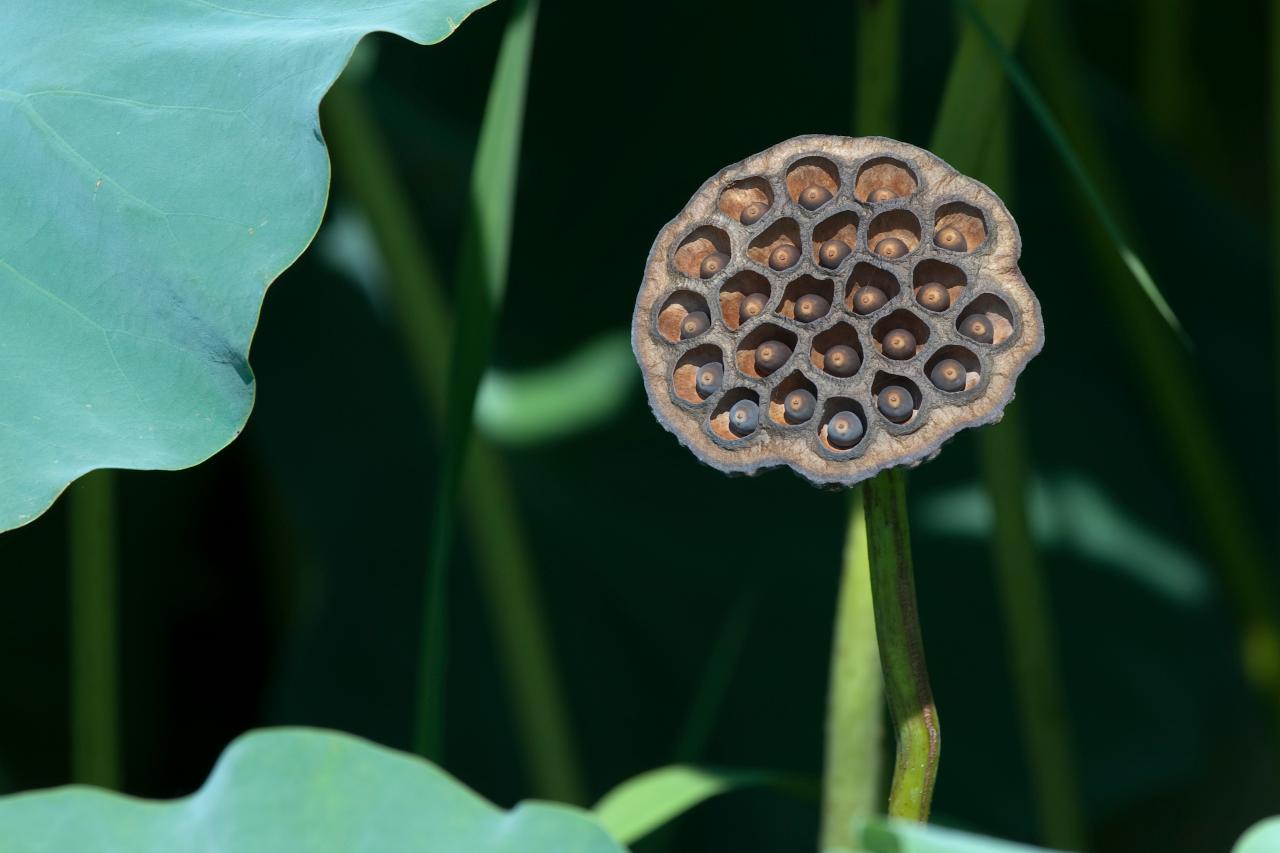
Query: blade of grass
point(91, 530)
point(364, 163)
point(482, 281)
point(1021, 581)
point(1171, 382)
point(851, 781)
point(1082, 177)
point(906, 679)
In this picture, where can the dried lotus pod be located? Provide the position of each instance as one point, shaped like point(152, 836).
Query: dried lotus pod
point(826, 365)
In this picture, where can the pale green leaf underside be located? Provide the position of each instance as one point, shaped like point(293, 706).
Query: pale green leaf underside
point(296, 790)
point(160, 165)
point(888, 835)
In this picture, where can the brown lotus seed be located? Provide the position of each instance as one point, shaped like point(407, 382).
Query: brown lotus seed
point(977, 327)
point(694, 324)
point(832, 252)
point(949, 375)
point(891, 247)
point(895, 403)
point(841, 360)
point(899, 344)
point(950, 238)
point(752, 306)
point(868, 299)
point(712, 264)
point(814, 196)
point(810, 307)
point(752, 213)
point(882, 194)
point(771, 355)
point(934, 296)
point(784, 257)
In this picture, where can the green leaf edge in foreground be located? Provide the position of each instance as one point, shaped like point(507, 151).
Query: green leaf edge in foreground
point(161, 164)
point(292, 790)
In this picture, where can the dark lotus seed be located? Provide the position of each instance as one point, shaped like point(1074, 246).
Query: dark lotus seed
point(869, 298)
point(752, 306)
point(784, 257)
point(694, 324)
point(810, 307)
point(950, 238)
point(832, 252)
point(895, 403)
point(771, 355)
point(844, 429)
point(882, 194)
point(798, 406)
point(891, 247)
point(744, 417)
point(710, 375)
point(977, 327)
point(841, 360)
point(712, 264)
point(813, 197)
point(934, 296)
point(949, 375)
point(899, 344)
point(752, 213)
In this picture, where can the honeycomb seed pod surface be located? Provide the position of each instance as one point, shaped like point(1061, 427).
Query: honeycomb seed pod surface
point(984, 282)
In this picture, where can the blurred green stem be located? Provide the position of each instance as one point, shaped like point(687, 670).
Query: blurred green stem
point(851, 783)
point(95, 758)
point(506, 575)
point(906, 679)
point(877, 84)
point(1169, 378)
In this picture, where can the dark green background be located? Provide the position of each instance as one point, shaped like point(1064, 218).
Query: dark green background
point(280, 582)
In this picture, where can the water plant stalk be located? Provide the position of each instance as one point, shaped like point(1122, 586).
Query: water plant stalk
point(91, 533)
point(906, 678)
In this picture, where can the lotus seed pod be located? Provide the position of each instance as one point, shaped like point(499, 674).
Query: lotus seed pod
point(811, 307)
point(934, 297)
point(842, 360)
point(899, 344)
point(744, 417)
point(813, 197)
point(891, 248)
point(784, 257)
point(832, 252)
point(868, 299)
point(771, 355)
point(977, 327)
point(752, 306)
point(895, 403)
point(798, 406)
point(838, 406)
point(694, 324)
point(753, 213)
point(948, 374)
point(844, 429)
point(712, 264)
point(710, 377)
point(950, 238)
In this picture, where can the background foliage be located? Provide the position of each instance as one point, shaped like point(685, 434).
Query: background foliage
point(280, 582)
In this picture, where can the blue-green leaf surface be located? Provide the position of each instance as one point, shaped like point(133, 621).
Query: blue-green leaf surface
point(160, 164)
point(300, 791)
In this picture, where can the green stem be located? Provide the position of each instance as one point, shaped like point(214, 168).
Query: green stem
point(506, 575)
point(877, 84)
point(906, 679)
point(95, 758)
point(851, 784)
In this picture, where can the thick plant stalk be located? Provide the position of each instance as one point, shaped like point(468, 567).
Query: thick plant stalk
point(95, 751)
point(906, 678)
point(855, 704)
point(505, 571)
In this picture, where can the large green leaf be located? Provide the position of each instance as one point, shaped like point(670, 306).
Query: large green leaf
point(888, 835)
point(1262, 837)
point(160, 164)
point(296, 790)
